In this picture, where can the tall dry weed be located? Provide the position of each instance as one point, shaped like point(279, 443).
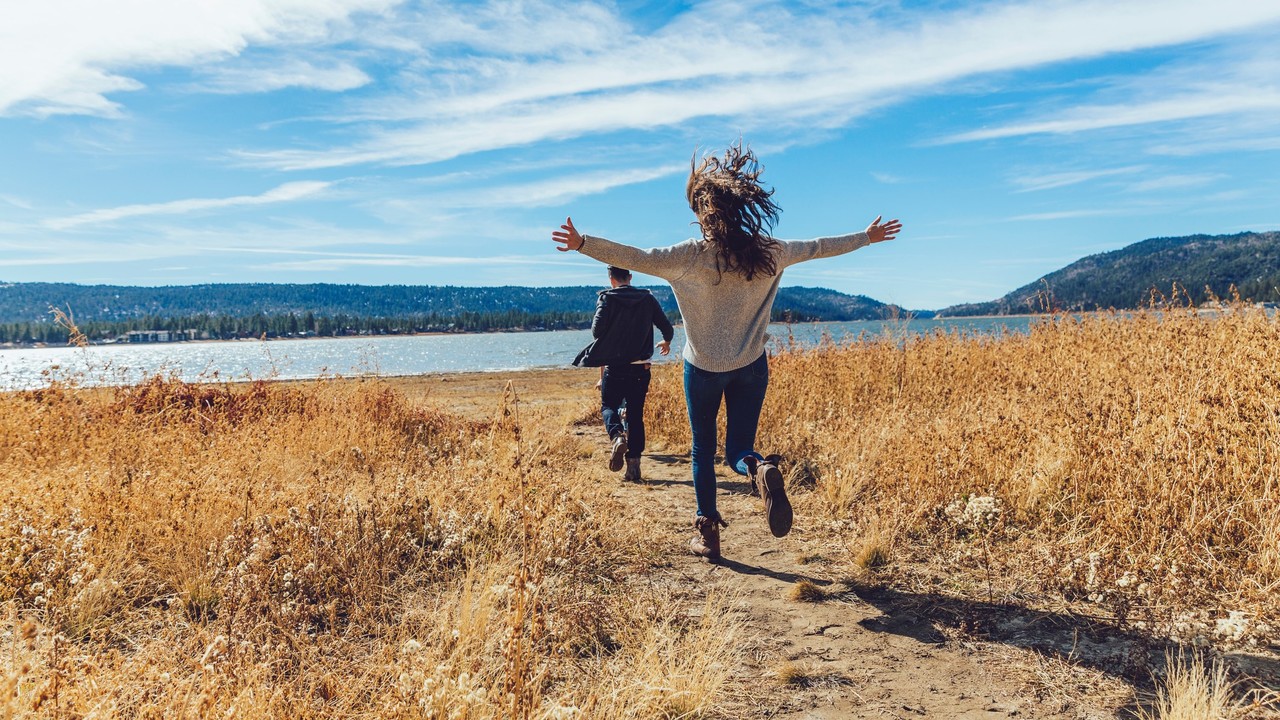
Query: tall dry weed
point(311, 550)
point(1192, 689)
point(1134, 455)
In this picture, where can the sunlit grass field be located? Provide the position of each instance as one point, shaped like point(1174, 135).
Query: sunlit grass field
point(323, 550)
point(334, 549)
point(1127, 463)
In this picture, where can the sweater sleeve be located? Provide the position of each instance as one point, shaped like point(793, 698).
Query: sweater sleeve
point(668, 263)
point(796, 251)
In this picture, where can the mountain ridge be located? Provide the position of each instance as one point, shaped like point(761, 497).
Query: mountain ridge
point(31, 302)
point(237, 310)
point(1145, 273)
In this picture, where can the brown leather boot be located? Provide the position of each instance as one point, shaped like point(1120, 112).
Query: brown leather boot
point(617, 452)
point(766, 481)
point(707, 544)
point(633, 470)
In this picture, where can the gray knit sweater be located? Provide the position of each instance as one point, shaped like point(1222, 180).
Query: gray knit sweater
point(725, 315)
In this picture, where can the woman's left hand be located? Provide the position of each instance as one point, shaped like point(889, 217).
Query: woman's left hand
point(879, 233)
point(567, 235)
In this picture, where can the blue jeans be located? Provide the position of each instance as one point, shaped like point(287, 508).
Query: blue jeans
point(743, 392)
point(625, 384)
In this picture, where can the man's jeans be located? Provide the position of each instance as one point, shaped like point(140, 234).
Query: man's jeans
point(743, 392)
point(625, 384)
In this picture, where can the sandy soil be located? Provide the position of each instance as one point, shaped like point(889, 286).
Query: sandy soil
point(478, 394)
point(862, 649)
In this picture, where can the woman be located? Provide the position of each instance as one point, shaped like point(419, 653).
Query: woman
point(725, 283)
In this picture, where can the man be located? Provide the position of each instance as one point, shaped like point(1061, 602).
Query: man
point(622, 349)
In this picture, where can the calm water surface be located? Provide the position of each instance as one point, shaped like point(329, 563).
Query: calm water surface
point(411, 355)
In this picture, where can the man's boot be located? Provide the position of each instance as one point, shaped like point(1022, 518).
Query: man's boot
point(707, 544)
point(633, 470)
point(766, 481)
point(618, 453)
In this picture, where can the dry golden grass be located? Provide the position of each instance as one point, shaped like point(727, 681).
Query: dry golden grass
point(1191, 691)
point(793, 674)
point(322, 550)
point(334, 549)
point(807, 592)
point(1129, 462)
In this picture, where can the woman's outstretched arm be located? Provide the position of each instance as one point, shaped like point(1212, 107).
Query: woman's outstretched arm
point(797, 251)
point(667, 263)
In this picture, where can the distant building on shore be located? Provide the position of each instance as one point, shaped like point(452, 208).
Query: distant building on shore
point(161, 336)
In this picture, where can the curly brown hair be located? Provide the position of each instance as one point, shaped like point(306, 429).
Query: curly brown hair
point(735, 211)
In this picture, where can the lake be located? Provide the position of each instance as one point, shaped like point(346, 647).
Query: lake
point(387, 355)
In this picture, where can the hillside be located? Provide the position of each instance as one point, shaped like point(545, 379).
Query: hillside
point(30, 302)
point(253, 310)
point(1126, 278)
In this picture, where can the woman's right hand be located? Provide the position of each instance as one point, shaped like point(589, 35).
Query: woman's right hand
point(879, 233)
point(567, 235)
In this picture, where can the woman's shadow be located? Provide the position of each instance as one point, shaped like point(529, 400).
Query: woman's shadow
point(1090, 641)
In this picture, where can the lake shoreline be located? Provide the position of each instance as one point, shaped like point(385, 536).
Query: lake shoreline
point(434, 333)
point(512, 331)
point(397, 355)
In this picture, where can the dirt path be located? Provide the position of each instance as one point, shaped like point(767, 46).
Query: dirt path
point(854, 653)
point(848, 657)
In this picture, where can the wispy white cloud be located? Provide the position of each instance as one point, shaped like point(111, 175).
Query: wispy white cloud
point(1210, 102)
point(1225, 141)
point(336, 263)
point(275, 75)
point(89, 254)
point(476, 206)
point(482, 76)
point(887, 178)
point(16, 202)
point(68, 56)
point(555, 190)
point(1213, 98)
point(1054, 261)
point(1176, 181)
point(798, 70)
point(287, 192)
point(1031, 182)
point(1065, 214)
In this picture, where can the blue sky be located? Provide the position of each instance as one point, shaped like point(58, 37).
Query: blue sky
point(154, 142)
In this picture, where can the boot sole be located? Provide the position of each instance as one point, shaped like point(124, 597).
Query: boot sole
point(619, 456)
point(777, 506)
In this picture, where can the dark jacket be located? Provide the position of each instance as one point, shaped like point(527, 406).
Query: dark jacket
point(623, 327)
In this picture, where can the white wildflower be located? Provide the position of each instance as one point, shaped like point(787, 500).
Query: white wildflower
point(1091, 580)
point(1233, 627)
point(975, 511)
point(214, 651)
point(561, 712)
